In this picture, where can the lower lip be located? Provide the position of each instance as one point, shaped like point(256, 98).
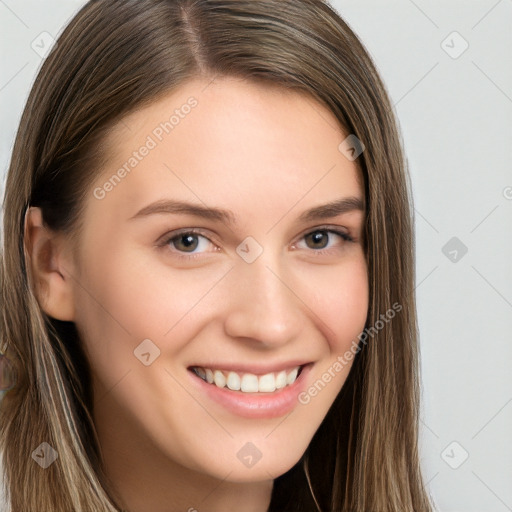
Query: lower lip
point(255, 405)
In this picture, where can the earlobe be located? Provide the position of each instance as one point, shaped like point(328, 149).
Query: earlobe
point(45, 263)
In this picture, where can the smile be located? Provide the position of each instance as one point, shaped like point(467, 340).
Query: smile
point(248, 382)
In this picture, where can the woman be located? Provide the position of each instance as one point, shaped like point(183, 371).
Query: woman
point(207, 273)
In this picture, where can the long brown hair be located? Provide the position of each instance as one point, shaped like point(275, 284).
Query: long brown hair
point(114, 57)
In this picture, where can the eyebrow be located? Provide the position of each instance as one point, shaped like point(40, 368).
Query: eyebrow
point(170, 206)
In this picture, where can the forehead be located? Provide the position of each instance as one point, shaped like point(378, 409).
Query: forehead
point(229, 141)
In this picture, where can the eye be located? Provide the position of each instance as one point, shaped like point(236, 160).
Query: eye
point(190, 242)
point(323, 239)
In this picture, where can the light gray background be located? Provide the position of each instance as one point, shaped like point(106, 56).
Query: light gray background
point(456, 119)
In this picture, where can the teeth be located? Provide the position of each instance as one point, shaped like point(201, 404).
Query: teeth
point(233, 381)
point(219, 379)
point(201, 372)
point(281, 380)
point(248, 382)
point(290, 378)
point(267, 383)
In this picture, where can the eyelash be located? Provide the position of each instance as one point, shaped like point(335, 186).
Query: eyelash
point(190, 256)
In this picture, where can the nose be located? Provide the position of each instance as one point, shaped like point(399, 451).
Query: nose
point(262, 305)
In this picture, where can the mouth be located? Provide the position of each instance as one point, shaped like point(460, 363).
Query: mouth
point(245, 382)
point(256, 394)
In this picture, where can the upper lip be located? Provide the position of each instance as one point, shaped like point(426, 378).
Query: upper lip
point(256, 369)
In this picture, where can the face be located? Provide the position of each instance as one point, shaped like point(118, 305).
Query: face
point(210, 255)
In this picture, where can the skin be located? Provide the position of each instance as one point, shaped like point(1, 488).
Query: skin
point(267, 155)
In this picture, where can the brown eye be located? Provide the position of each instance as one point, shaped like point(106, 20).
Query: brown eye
point(186, 242)
point(317, 239)
point(323, 240)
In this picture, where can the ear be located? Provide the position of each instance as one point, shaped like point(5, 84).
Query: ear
point(45, 258)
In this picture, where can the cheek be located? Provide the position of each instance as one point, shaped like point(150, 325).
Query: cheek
point(140, 295)
point(125, 299)
point(339, 295)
